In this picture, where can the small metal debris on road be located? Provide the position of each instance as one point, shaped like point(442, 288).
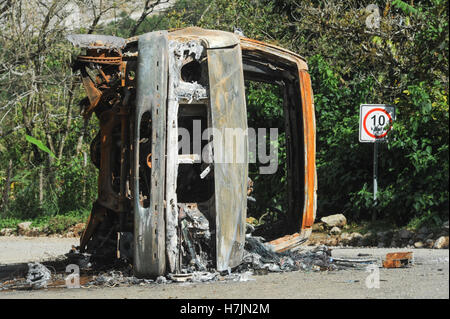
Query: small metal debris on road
point(398, 260)
point(38, 275)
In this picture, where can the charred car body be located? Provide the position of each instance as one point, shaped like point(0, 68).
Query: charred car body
point(164, 208)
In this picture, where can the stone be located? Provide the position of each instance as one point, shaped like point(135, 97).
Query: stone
point(317, 227)
point(384, 237)
point(335, 231)
point(429, 243)
point(78, 229)
point(334, 241)
point(418, 244)
point(23, 228)
point(445, 225)
point(445, 228)
point(6, 231)
point(423, 230)
point(337, 220)
point(355, 239)
point(33, 232)
point(405, 234)
point(345, 239)
point(421, 236)
point(441, 242)
point(368, 239)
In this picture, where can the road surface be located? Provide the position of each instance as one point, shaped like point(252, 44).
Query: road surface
point(427, 278)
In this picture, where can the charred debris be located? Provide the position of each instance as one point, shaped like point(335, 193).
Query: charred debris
point(258, 260)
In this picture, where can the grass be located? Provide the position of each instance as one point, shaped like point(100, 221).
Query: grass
point(364, 227)
point(52, 224)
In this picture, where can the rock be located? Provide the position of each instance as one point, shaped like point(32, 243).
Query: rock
point(334, 241)
point(445, 225)
point(369, 239)
point(429, 243)
point(421, 237)
point(317, 227)
point(356, 239)
point(405, 234)
point(445, 228)
point(23, 228)
point(441, 242)
point(6, 231)
point(33, 232)
point(418, 244)
point(337, 220)
point(335, 231)
point(430, 236)
point(423, 230)
point(345, 239)
point(78, 229)
point(384, 237)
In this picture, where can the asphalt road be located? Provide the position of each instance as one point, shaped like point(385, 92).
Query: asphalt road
point(427, 278)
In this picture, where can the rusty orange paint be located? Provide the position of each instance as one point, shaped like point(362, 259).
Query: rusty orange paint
point(397, 260)
point(310, 142)
point(285, 243)
point(149, 160)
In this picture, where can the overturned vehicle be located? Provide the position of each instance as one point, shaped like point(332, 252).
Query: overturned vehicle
point(164, 206)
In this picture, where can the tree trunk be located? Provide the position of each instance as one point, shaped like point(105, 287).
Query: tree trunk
point(7, 187)
point(41, 186)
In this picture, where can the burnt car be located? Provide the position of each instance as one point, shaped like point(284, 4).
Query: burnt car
point(164, 207)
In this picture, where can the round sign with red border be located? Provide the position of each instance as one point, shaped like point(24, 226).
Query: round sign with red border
point(375, 122)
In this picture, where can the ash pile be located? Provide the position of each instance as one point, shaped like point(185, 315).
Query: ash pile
point(198, 265)
point(197, 258)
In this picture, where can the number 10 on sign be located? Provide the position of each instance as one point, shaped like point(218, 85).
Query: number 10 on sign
point(375, 122)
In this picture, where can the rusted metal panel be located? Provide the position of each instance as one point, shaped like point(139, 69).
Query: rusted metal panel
point(309, 212)
point(297, 66)
point(398, 260)
point(228, 110)
point(96, 41)
point(277, 53)
point(286, 242)
point(213, 39)
point(149, 226)
point(106, 195)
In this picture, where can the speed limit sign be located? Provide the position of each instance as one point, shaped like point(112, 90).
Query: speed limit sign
point(375, 122)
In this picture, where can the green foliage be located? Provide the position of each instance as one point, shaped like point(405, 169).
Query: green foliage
point(61, 223)
point(404, 62)
point(40, 145)
point(265, 111)
point(9, 222)
point(50, 224)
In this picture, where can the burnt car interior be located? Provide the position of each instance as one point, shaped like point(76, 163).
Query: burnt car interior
point(169, 208)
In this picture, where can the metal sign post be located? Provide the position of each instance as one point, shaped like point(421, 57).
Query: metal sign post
point(375, 178)
point(375, 121)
